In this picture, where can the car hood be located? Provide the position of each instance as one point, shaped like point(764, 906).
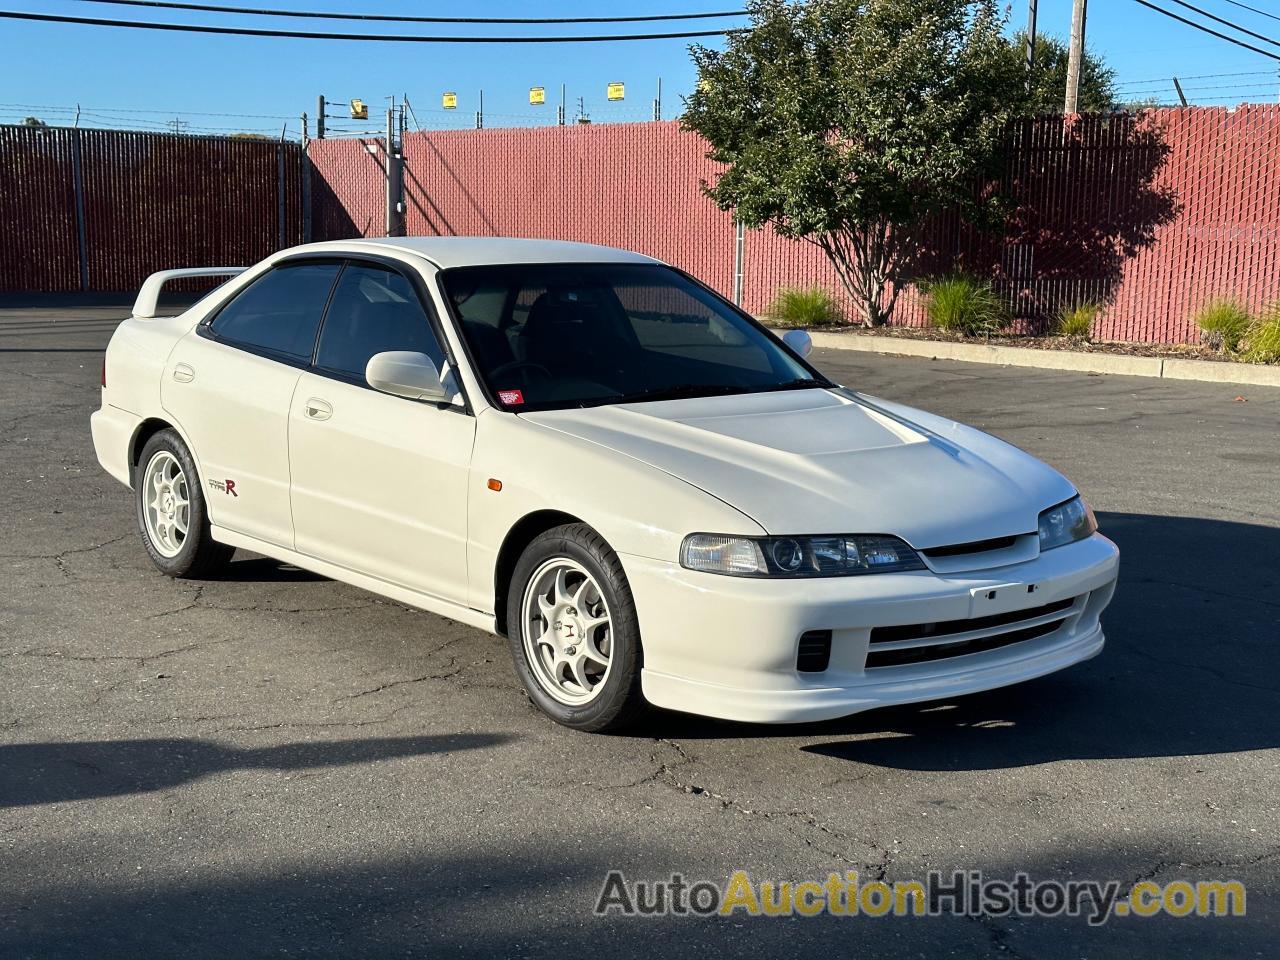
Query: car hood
point(831, 461)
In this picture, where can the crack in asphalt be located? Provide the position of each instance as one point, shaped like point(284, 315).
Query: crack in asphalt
point(314, 724)
point(451, 670)
point(60, 558)
point(140, 660)
point(1162, 865)
point(665, 772)
point(1198, 588)
point(1203, 668)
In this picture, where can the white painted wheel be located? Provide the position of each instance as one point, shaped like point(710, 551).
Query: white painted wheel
point(567, 632)
point(166, 503)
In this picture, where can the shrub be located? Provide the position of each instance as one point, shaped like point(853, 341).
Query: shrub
point(965, 305)
point(1223, 322)
point(1077, 321)
point(1263, 338)
point(804, 307)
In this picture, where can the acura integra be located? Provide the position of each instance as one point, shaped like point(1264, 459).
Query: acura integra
point(587, 451)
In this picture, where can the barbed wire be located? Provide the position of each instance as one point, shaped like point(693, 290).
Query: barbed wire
point(1199, 76)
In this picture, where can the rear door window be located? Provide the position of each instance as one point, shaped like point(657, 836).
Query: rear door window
point(279, 313)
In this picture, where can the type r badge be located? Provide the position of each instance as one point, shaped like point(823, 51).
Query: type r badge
point(226, 486)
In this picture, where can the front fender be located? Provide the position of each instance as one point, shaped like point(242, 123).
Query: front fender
point(637, 508)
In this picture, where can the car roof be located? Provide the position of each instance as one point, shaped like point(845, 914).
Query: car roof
point(446, 252)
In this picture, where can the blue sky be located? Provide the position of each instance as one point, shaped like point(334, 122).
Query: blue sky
point(222, 83)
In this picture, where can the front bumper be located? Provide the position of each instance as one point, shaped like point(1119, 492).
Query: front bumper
point(726, 647)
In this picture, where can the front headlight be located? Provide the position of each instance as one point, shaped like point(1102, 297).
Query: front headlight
point(1066, 523)
point(834, 555)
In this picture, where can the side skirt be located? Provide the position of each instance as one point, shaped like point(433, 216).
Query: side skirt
point(423, 601)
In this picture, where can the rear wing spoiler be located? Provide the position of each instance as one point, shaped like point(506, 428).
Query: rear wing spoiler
point(149, 296)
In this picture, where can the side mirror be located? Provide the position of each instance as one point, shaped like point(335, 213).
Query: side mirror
point(404, 373)
point(799, 341)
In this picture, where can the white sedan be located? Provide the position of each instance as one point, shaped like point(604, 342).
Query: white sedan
point(589, 452)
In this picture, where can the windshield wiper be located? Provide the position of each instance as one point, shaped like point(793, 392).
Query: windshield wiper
point(804, 383)
point(680, 391)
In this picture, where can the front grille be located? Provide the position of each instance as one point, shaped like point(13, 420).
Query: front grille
point(977, 546)
point(942, 651)
point(814, 653)
point(919, 631)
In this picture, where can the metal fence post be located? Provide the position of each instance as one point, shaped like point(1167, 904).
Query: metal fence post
point(281, 211)
point(738, 243)
point(306, 195)
point(77, 178)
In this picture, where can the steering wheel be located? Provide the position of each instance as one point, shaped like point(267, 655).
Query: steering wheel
point(513, 365)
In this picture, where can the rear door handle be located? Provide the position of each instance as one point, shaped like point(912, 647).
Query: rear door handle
point(317, 409)
point(184, 372)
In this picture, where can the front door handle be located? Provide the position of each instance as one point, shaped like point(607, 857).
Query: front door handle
point(184, 372)
point(317, 409)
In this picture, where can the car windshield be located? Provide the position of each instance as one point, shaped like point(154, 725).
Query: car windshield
point(547, 336)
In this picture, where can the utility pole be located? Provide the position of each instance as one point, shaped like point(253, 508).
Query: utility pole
point(657, 101)
point(1072, 103)
point(560, 109)
point(394, 178)
point(320, 117)
point(1031, 42)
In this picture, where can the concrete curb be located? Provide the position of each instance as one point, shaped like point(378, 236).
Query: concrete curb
point(1209, 371)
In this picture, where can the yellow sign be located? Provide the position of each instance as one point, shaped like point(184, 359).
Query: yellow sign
point(537, 96)
point(449, 101)
point(616, 91)
point(359, 110)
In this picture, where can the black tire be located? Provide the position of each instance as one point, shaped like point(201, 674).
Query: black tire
point(619, 704)
point(200, 555)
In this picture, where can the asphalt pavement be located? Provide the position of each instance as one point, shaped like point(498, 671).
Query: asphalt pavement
point(274, 764)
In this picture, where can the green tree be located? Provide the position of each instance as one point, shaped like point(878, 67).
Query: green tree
point(1049, 78)
point(848, 123)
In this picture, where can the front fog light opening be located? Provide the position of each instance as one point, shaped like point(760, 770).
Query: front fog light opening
point(813, 655)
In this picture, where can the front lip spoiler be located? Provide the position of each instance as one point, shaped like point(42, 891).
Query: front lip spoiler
point(813, 704)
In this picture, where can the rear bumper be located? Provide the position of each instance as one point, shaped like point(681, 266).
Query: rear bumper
point(726, 647)
point(113, 431)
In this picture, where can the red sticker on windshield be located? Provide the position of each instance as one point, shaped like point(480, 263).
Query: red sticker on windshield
point(510, 398)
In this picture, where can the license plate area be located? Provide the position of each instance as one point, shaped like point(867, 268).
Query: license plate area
point(1002, 598)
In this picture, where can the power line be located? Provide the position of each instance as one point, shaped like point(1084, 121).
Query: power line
point(1228, 23)
point(1200, 26)
point(384, 38)
point(170, 113)
point(1245, 6)
point(325, 15)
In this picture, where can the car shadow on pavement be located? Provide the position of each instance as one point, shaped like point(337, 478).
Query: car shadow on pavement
point(489, 898)
point(32, 773)
point(251, 568)
point(1191, 666)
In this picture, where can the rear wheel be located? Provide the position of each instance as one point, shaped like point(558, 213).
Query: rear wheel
point(172, 517)
point(573, 630)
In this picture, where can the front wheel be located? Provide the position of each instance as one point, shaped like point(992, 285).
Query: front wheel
point(171, 510)
point(573, 631)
